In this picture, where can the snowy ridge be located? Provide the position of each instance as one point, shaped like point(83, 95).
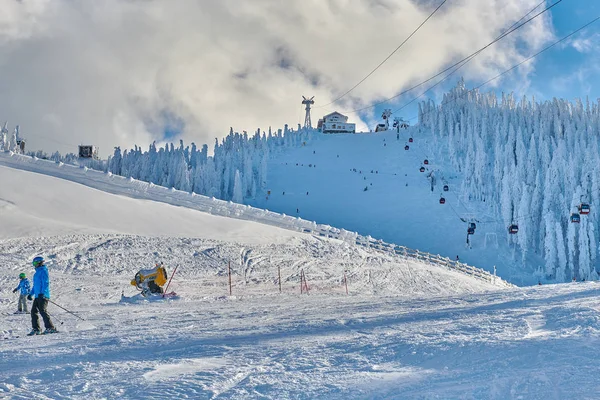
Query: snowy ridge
point(142, 190)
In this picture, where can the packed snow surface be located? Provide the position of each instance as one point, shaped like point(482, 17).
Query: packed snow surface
point(535, 343)
point(405, 329)
point(370, 184)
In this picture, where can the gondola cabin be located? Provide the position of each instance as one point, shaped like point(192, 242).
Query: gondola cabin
point(410, 140)
point(426, 162)
point(406, 147)
point(446, 188)
point(512, 229)
point(584, 208)
point(472, 225)
point(422, 169)
point(442, 200)
point(575, 218)
point(470, 231)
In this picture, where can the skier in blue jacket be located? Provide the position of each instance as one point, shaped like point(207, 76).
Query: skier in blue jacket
point(24, 287)
point(40, 293)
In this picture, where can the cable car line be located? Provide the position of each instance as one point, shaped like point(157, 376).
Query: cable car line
point(517, 65)
point(459, 62)
point(462, 64)
point(387, 58)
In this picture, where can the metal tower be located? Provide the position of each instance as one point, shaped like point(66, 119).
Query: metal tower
point(387, 113)
point(308, 103)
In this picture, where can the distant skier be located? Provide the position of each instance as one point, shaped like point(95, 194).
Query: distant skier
point(297, 210)
point(24, 287)
point(40, 294)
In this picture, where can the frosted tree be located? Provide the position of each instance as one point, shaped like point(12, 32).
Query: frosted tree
point(533, 161)
point(114, 165)
point(238, 191)
point(550, 251)
point(561, 267)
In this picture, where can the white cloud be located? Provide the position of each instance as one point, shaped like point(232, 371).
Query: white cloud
point(111, 72)
point(587, 44)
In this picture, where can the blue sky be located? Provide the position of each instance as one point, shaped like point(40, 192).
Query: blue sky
point(569, 70)
point(564, 71)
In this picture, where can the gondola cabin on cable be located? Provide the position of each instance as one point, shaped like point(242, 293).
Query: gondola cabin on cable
point(406, 147)
point(442, 200)
point(575, 218)
point(584, 208)
point(513, 229)
point(426, 162)
point(470, 231)
point(446, 188)
point(472, 225)
point(410, 140)
point(422, 169)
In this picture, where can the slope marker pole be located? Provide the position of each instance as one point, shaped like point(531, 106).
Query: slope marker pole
point(346, 282)
point(170, 279)
point(229, 273)
point(279, 273)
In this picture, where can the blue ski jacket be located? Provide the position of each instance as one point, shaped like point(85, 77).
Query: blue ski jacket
point(24, 286)
point(41, 282)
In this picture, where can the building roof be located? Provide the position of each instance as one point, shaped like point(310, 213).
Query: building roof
point(334, 113)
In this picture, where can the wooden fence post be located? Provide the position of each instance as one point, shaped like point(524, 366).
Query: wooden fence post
point(229, 272)
point(346, 282)
point(279, 273)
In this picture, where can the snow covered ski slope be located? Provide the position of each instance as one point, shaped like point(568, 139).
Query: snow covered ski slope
point(143, 190)
point(406, 329)
point(535, 343)
point(370, 184)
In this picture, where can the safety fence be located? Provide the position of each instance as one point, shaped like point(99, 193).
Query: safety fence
point(133, 188)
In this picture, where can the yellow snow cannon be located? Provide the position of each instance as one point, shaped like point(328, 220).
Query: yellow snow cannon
point(151, 280)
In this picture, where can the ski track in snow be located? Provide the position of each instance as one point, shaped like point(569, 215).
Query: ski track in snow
point(420, 337)
point(408, 330)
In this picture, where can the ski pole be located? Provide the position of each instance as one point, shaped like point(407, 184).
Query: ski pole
point(54, 317)
point(70, 312)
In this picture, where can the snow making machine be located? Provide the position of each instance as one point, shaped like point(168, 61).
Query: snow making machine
point(151, 281)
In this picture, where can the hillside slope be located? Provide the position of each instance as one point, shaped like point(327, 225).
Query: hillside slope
point(87, 231)
point(534, 343)
point(406, 329)
point(398, 205)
